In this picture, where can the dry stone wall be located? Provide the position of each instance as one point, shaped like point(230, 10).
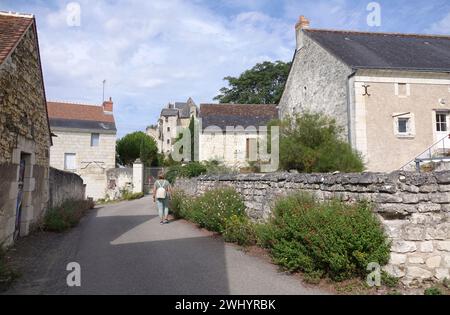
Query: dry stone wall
point(414, 209)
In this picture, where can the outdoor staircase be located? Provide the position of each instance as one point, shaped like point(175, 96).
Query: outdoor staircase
point(437, 153)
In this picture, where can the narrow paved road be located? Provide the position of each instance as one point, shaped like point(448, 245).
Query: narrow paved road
point(122, 249)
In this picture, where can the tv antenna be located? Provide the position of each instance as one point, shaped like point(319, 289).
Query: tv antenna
point(104, 84)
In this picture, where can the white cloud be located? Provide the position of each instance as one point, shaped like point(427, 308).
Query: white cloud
point(441, 27)
point(153, 52)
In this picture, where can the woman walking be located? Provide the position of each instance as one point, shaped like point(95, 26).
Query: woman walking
point(161, 195)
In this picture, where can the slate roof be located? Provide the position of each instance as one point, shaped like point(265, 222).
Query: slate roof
point(361, 50)
point(184, 109)
point(169, 112)
point(78, 116)
point(12, 29)
point(181, 109)
point(232, 115)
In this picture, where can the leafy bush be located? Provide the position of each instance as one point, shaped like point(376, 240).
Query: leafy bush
point(433, 291)
point(179, 202)
point(213, 209)
point(388, 280)
point(190, 170)
point(66, 216)
point(332, 239)
point(239, 230)
point(313, 143)
point(128, 195)
point(195, 169)
point(214, 167)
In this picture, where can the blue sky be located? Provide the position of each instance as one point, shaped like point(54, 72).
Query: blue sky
point(152, 52)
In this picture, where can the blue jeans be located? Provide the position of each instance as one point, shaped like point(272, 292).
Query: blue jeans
point(163, 207)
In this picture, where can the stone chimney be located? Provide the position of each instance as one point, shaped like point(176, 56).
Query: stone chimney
point(108, 106)
point(303, 23)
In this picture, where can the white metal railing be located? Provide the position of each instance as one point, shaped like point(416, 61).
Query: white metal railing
point(438, 152)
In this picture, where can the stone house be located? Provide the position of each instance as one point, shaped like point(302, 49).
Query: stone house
point(25, 137)
point(172, 117)
point(84, 142)
point(390, 92)
point(230, 133)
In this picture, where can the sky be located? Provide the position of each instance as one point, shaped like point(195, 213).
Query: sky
point(152, 52)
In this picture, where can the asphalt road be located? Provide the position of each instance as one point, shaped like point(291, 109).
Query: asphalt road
point(122, 249)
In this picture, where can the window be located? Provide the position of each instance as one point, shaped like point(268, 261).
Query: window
point(441, 122)
point(402, 89)
point(70, 161)
point(403, 125)
point(95, 140)
point(168, 141)
point(168, 129)
point(167, 119)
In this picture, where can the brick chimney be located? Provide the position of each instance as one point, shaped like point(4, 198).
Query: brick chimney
point(108, 106)
point(303, 23)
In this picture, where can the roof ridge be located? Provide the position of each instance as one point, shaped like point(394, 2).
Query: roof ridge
point(378, 33)
point(17, 14)
point(72, 103)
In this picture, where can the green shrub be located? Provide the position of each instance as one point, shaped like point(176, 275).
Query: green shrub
point(128, 195)
point(214, 167)
point(66, 216)
point(195, 169)
point(312, 143)
point(388, 280)
point(433, 291)
point(179, 202)
point(212, 210)
point(334, 238)
point(239, 230)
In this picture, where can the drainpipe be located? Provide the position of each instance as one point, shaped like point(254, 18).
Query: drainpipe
point(350, 91)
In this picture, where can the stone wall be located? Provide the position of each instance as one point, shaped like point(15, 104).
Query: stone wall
point(65, 186)
point(414, 209)
point(24, 135)
point(118, 180)
point(317, 82)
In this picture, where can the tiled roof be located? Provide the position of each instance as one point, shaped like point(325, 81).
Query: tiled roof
point(363, 50)
point(78, 112)
point(232, 115)
point(12, 28)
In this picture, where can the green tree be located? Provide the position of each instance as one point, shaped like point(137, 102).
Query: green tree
point(263, 84)
point(312, 143)
point(135, 146)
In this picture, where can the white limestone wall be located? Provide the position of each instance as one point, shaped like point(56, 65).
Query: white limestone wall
point(91, 162)
point(231, 149)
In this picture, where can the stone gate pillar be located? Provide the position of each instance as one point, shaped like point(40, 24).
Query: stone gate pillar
point(138, 177)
